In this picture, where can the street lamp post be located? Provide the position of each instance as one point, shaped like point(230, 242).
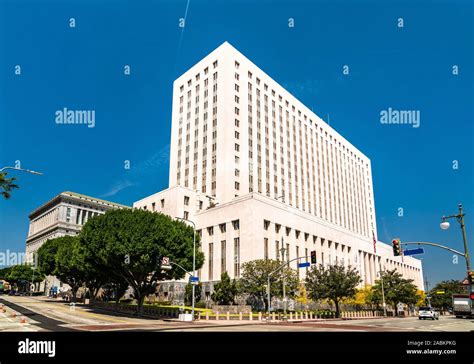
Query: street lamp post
point(460, 218)
point(21, 169)
point(383, 292)
point(194, 261)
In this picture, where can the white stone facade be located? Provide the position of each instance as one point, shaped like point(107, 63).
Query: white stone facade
point(252, 167)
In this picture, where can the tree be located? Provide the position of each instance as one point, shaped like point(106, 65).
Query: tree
point(23, 274)
point(225, 290)
point(255, 275)
point(132, 242)
point(188, 293)
point(361, 298)
point(7, 185)
point(334, 282)
point(46, 256)
point(445, 301)
point(69, 263)
point(396, 289)
point(4, 272)
point(114, 289)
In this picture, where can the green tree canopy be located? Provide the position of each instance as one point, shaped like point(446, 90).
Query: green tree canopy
point(396, 289)
point(69, 263)
point(132, 242)
point(333, 282)
point(254, 280)
point(7, 185)
point(47, 256)
point(4, 272)
point(23, 274)
point(188, 293)
point(444, 301)
point(225, 290)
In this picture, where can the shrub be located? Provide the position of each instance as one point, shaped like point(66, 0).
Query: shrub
point(200, 304)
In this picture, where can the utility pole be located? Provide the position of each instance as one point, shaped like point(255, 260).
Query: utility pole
point(383, 291)
point(282, 250)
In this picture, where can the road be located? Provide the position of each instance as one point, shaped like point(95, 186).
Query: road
point(43, 314)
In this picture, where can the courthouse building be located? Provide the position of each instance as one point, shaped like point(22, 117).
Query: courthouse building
point(257, 171)
point(65, 214)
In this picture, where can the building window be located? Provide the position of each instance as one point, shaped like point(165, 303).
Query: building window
point(211, 260)
point(223, 257)
point(162, 202)
point(153, 206)
point(237, 185)
point(236, 224)
point(236, 257)
point(68, 214)
point(265, 248)
point(186, 215)
point(277, 250)
point(210, 230)
point(266, 224)
point(214, 64)
point(186, 200)
point(222, 227)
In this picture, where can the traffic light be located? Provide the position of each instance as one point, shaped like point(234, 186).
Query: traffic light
point(470, 276)
point(313, 257)
point(397, 248)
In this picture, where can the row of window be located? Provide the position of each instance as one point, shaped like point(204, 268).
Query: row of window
point(223, 261)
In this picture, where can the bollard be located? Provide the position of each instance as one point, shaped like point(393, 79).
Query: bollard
point(259, 316)
point(240, 316)
point(228, 315)
point(311, 315)
point(291, 315)
point(217, 316)
point(23, 321)
point(207, 315)
point(273, 316)
point(306, 315)
point(250, 315)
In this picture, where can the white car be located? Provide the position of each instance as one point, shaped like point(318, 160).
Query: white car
point(428, 312)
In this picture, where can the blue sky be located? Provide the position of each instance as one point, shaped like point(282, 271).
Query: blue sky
point(407, 68)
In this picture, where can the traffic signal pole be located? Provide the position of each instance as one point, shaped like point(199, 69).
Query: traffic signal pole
point(270, 275)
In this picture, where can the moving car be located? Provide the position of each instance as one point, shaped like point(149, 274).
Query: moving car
point(428, 312)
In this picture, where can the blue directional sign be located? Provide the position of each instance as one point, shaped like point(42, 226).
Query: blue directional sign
point(194, 279)
point(414, 251)
point(304, 265)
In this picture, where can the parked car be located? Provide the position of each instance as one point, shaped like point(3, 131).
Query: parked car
point(428, 312)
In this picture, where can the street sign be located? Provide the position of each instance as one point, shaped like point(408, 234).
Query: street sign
point(414, 251)
point(193, 279)
point(304, 265)
point(165, 263)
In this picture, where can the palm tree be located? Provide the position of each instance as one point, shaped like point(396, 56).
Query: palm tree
point(7, 185)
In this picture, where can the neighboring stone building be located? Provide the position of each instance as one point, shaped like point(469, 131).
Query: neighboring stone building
point(65, 214)
point(258, 171)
